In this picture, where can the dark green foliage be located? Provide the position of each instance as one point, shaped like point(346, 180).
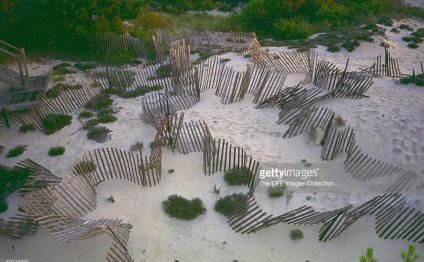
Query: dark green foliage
point(417, 79)
point(182, 208)
point(98, 133)
point(139, 91)
point(85, 114)
point(276, 191)
point(292, 29)
point(62, 69)
point(153, 144)
point(85, 66)
point(105, 116)
point(237, 176)
point(121, 78)
point(333, 48)
point(413, 45)
point(3, 206)
point(385, 20)
point(395, 30)
point(90, 123)
point(55, 122)
point(85, 167)
point(137, 146)
point(99, 102)
point(296, 234)
point(406, 27)
point(231, 203)
point(11, 179)
point(170, 171)
point(56, 151)
point(163, 71)
point(16, 151)
point(26, 127)
point(350, 45)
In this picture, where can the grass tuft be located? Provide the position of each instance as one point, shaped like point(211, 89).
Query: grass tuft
point(56, 151)
point(181, 208)
point(231, 203)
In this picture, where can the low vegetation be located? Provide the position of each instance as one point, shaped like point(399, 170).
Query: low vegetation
point(170, 171)
point(369, 256)
point(181, 208)
point(55, 122)
point(276, 191)
point(415, 79)
point(85, 114)
point(26, 128)
point(98, 133)
point(231, 203)
point(410, 255)
point(137, 146)
point(237, 176)
point(296, 234)
point(99, 102)
point(163, 71)
point(16, 151)
point(62, 69)
point(11, 179)
point(55, 91)
point(415, 38)
point(56, 151)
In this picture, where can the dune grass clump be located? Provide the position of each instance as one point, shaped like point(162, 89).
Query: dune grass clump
point(16, 151)
point(62, 69)
point(55, 91)
point(163, 71)
point(231, 203)
point(296, 234)
point(350, 44)
point(11, 179)
point(137, 146)
point(56, 151)
point(26, 128)
point(417, 80)
point(181, 208)
point(276, 191)
point(170, 171)
point(99, 103)
point(140, 91)
point(85, 167)
point(55, 122)
point(339, 120)
point(105, 116)
point(237, 176)
point(85, 114)
point(98, 133)
point(85, 66)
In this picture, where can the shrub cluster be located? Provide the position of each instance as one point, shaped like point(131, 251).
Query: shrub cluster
point(55, 122)
point(11, 179)
point(237, 176)
point(182, 208)
point(16, 151)
point(56, 151)
point(416, 79)
point(231, 203)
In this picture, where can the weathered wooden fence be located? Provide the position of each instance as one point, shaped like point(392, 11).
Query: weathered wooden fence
point(385, 66)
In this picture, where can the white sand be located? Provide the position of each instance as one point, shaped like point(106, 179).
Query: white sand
point(389, 126)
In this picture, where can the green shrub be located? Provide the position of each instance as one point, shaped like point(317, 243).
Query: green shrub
point(3, 206)
point(170, 171)
point(55, 91)
point(405, 27)
point(11, 179)
point(85, 66)
point(56, 151)
point(105, 117)
point(417, 79)
point(413, 45)
point(369, 256)
point(26, 127)
point(139, 91)
point(137, 146)
point(16, 151)
point(90, 123)
point(98, 133)
point(85, 114)
point(292, 29)
point(85, 167)
point(385, 20)
point(350, 45)
point(182, 208)
point(296, 234)
point(62, 69)
point(333, 48)
point(395, 30)
point(232, 203)
point(163, 71)
point(276, 191)
point(55, 122)
point(99, 102)
point(237, 176)
point(225, 60)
